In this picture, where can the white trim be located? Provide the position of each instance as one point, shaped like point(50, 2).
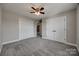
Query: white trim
point(78, 48)
point(0, 50)
point(44, 38)
point(15, 40)
point(68, 43)
point(10, 41)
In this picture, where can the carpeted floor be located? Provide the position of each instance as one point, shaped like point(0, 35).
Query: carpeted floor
point(38, 47)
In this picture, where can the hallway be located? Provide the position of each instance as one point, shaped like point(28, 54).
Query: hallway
point(38, 47)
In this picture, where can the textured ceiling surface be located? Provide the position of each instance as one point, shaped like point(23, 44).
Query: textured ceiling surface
point(49, 8)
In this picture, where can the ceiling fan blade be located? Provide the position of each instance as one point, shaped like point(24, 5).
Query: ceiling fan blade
point(41, 9)
point(42, 12)
point(32, 12)
point(33, 8)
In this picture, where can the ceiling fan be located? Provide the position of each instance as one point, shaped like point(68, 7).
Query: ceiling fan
point(37, 10)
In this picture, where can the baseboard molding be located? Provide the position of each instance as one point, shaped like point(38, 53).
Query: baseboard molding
point(68, 43)
point(13, 41)
point(0, 48)
point(44, 38)
point(78, 48)
point(10, 42)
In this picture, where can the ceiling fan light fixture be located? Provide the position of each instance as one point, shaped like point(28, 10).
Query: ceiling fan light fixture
point(37, 10)
point(37, 13)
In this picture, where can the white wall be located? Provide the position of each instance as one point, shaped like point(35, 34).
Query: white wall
point(35, 27)
point(44, 28)
point(0, 28)
point(16, 27)
point(77, 27)
point(71, 25)
point(10, 26)
point(26, 28)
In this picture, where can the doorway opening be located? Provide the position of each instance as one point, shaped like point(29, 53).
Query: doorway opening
point(39, 28)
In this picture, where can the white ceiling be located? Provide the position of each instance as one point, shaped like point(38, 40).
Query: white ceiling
point(50, 8)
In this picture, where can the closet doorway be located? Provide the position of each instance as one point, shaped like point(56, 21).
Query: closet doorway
point(39, 28)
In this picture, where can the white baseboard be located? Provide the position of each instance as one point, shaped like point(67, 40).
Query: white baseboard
point(0, 48)
point(13, 41)
point(78, 48)
point(68, 43)
point(44, 38)
point(10, 41)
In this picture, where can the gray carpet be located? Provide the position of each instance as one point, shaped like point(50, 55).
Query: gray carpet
point(38, 47)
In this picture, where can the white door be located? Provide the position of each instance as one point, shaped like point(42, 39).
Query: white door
point(56, 29)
